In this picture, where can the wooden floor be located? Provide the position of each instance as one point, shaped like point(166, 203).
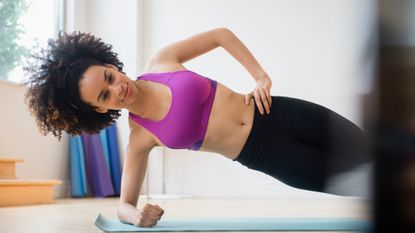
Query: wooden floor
point(78, 215)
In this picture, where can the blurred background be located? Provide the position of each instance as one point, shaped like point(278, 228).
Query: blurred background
point(393, 126)
point(352, 56)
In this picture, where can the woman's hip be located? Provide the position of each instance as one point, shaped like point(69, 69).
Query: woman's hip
point(292, 143)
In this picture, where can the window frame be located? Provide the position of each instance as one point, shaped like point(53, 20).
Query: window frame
point(59, 25)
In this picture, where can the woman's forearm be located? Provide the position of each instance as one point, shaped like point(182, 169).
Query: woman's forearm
point(230, 42)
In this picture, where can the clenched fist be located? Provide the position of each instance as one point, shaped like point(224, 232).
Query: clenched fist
point(148, 215)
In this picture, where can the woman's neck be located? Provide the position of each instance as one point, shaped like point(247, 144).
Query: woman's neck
point(144, 99)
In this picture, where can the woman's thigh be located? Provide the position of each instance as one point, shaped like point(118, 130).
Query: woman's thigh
point(298, 165)
point(344, 142)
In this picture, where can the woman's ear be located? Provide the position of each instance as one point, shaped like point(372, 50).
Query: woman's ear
point(101, 110)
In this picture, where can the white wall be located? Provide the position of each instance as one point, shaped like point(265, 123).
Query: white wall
point(44, 157)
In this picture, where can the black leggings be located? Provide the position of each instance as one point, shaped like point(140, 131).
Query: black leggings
point(302, 144)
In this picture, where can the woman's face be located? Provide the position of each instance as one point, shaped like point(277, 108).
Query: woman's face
point(106, 88)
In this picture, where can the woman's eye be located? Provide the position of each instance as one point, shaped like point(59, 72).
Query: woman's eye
point(110, 79)
point(105, 96)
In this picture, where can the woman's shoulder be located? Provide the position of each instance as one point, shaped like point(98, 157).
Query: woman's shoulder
point(163, 68)
point(140, 138)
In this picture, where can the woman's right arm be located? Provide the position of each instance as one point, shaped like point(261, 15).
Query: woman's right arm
point(134, 169)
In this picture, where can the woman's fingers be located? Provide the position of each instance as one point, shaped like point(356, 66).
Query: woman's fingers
point(149, 215)
point(155, 213)
point(160, 211)
point(268, 94)
point(264, 100)
point(261, 99)
point(146, 223)
point(258, 102)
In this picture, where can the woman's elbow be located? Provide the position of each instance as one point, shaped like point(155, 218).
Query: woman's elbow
point(225, 35)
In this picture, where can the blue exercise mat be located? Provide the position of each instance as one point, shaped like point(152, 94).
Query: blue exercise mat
point(239, 224)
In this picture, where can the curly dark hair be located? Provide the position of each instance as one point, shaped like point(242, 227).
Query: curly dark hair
point(53, 96)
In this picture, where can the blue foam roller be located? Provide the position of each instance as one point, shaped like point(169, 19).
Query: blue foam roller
point(77, 165)
point(104, 143)
point(114, 158)
point(97, 174)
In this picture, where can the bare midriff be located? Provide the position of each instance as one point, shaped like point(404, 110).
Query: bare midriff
point(229, 124)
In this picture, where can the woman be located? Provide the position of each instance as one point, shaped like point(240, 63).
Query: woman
point(79, 86)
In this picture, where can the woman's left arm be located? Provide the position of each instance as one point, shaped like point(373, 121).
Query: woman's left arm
point(187, 49)
point(262, 92)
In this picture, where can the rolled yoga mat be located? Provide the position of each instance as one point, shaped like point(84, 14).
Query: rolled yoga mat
point(97, 173)
point(77, 165)
point(239, 224)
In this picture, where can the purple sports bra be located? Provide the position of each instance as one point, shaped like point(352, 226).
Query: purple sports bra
point(185, 124)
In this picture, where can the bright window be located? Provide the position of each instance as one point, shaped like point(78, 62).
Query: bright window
point(33, 22)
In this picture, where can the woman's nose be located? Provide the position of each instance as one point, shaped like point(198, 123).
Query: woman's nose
point(117, 90)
